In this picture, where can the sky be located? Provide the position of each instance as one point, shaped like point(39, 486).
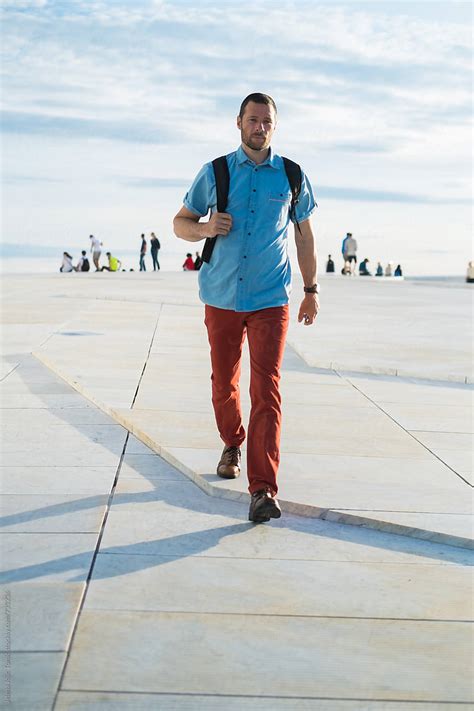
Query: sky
point(110, 107)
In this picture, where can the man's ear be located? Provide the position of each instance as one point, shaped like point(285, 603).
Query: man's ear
point(239, 122)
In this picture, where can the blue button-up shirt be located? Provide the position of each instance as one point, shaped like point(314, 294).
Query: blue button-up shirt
point(249, 268)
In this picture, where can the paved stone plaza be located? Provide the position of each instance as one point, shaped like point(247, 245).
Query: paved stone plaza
point(131, 576)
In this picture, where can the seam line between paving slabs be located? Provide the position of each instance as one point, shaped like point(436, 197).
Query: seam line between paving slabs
point(408, 432)
point(102, 529)
point(213, 613)
point(165, 694)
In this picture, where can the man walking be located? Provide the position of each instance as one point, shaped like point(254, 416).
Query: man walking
point(245, 287)
point(142, 254)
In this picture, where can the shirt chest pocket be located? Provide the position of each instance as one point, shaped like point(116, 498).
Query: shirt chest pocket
point(278, 205)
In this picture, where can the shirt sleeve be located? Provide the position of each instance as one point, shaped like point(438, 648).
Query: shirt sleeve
point(202, 194)
point(306, 204)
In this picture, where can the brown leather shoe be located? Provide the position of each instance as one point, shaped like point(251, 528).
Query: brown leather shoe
point(263, 507)
point(229, 465)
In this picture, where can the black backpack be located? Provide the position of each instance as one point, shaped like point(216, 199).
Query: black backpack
point(85, 265)
point(221, 172)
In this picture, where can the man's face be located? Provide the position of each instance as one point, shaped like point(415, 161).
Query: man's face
point(257, 126)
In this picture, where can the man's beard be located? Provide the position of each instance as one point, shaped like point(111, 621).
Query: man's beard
point(257, 146)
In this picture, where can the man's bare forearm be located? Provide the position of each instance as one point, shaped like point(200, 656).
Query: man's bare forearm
point(188, 229)
point(307, 254)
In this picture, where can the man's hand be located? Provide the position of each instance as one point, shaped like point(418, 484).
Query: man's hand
point(308, 309)
point(220, 223)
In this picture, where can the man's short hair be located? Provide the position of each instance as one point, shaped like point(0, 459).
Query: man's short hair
point(257, 98)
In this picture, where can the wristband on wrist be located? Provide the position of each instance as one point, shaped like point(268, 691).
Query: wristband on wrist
point(315, 289)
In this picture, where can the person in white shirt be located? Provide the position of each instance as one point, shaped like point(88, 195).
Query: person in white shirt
point(66, 265)
point(96, 251)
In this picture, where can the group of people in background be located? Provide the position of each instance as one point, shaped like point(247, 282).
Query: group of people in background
point(349, 255)
point(114, 264)
point(192, 265)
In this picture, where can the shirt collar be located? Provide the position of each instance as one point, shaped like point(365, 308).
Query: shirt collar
point(272, 159)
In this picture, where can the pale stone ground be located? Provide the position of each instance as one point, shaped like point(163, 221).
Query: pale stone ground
point(127, 586)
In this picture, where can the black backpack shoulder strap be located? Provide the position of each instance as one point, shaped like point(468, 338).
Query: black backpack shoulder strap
point(221, 173)
point(295, 177)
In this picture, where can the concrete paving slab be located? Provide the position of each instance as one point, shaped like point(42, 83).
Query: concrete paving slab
point(446, 440)
point(459, 460)
point(135, 446)
point(322, 657)
point(13, 434)
point(87, 701)
point(460, 525)
point(150, 466)
point(42, 615)
point(46, 557)
point(43, 455)
point(235, 587)
point(412, 390)
point(57, 480)
point(417, 339)
point(448, 418)
point(296, 393)
point(28, 400)
point(42, 670)
point(20, 513)
point(87, 415)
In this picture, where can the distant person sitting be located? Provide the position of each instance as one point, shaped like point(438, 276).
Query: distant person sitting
point(330, 265)
point(388, 270)
point(83, 264)
point(197, 262)
point(470, 273)
point(114, 264)
point(363, 269)
point(398, 271)
point(66, 265)
point(188, 264)
point(379, 271)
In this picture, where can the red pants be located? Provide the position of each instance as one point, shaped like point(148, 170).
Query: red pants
point(266, 332)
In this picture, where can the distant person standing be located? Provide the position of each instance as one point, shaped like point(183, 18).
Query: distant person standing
point(188, 264)
point(66, 265)
point(330, 265)
point(96, 251)
point(197, 262)
point(155, 246)
point(398, 271)
point(470, 273)
point(379, 271)
point(349, 252)
point(142, 254)
point(388, 270)
point(83, 264)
